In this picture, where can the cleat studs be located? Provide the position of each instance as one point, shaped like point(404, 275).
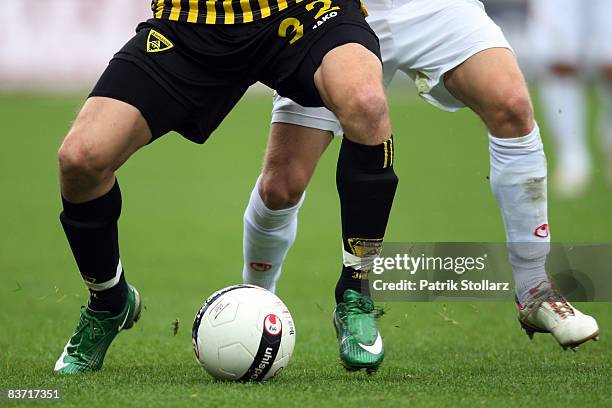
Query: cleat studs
point(596, 338)
point(564, 348)
point(350, 369)
point(575, 349)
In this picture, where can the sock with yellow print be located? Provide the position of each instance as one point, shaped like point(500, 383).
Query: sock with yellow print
point(366, 185)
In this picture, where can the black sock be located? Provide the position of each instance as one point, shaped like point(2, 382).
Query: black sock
point(366, 185)
point(91, 229)
point(351, 279)
point(111, 300)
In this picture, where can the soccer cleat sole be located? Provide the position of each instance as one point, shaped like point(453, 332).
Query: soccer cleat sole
point(372, 370)
point(352, 369)
point(532, 330)
point(574, 346)
point(348, 367)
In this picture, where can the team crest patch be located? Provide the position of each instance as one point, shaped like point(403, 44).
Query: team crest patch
point(364, 247)
point(156, 42)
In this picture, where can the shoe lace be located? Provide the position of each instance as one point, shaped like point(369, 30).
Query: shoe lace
point(364, 305)
point(560, 306)
point(361, 305)
point(96, 330)
point(557, 302)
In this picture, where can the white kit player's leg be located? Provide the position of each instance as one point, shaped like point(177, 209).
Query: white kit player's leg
point(518, 181)
point(490, 83)
point(477, 69)
point(268, 235)
point(564, 106)
point(270, 220)
point(605, 123)
point(601, 54)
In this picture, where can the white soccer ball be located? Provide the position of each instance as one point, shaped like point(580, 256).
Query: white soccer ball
point(243, 333)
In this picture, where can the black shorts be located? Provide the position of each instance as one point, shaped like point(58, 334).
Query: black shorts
point(187, 77)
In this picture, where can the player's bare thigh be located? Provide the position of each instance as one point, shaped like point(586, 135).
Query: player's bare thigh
point(104, 135)
point(355, 92)
point(492, 84)
point(291, 157)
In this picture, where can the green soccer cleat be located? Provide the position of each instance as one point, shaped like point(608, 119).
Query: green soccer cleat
point(95, 332)
point(361, 345)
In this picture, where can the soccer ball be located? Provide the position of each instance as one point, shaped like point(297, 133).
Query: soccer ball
point(243, 333)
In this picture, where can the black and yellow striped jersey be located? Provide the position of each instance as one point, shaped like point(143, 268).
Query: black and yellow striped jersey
point(218, 11)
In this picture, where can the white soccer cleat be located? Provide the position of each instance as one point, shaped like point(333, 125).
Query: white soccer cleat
point(549, 312)
point(571, 182)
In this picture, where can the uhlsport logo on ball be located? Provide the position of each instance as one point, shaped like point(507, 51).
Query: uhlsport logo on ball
point(243, 333)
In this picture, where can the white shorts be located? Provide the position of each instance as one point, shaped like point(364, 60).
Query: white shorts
point(571, 31)
point(423, 38)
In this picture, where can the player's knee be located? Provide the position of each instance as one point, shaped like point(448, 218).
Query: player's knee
point(366, 114)
point(512, 115)
point(80, 161)
point(279, 193)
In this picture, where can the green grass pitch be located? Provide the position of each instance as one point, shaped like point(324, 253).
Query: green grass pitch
point(181, 235)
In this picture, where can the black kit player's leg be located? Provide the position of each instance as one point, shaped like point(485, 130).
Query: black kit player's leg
point(365, 177)
point(130, 106)
point(342, 70)
point(348, 79)
point(127, 109)
point(105, 133)
point(366, 186)
point(119, 118)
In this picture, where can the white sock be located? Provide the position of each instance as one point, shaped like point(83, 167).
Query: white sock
point(518, 181)
point(268, 235)
point(605, 124)
point(605, 120)
point(564, 105)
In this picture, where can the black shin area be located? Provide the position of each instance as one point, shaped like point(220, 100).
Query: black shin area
point(91, 229)
point(366, 185)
